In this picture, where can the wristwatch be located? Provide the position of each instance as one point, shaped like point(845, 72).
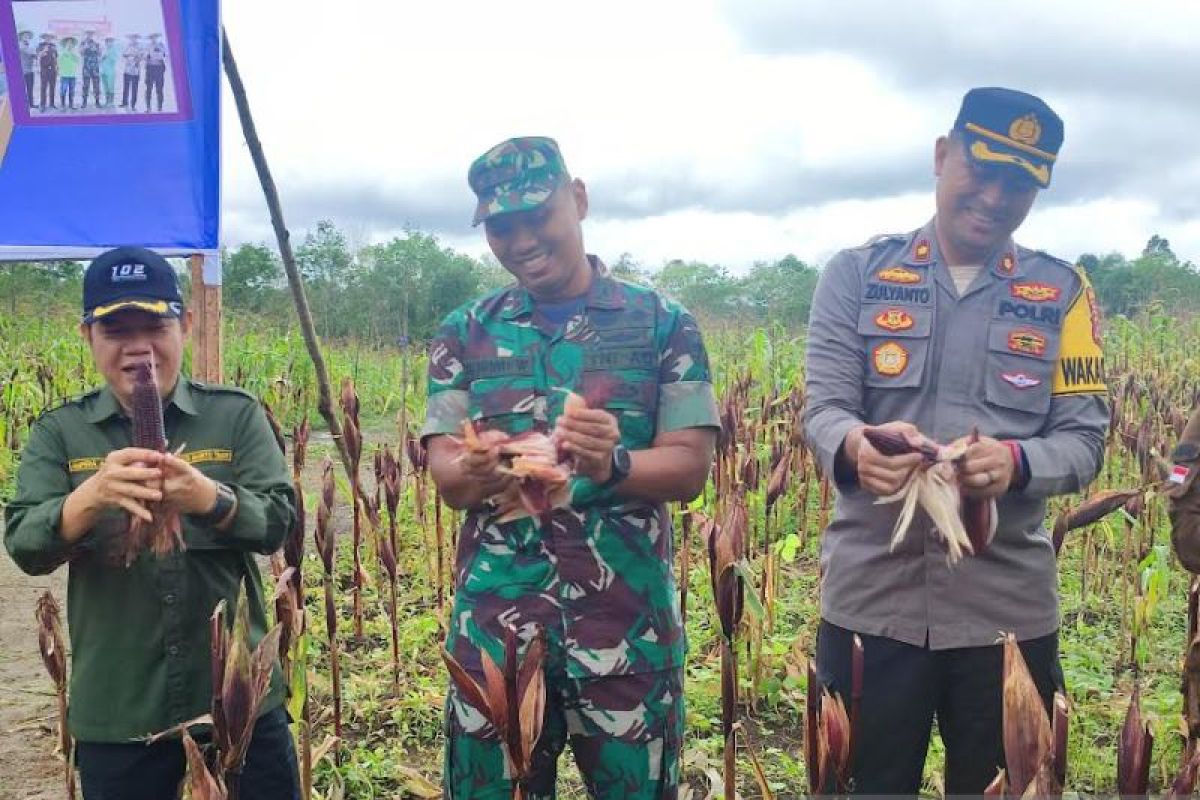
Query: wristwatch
point(621, 464)
point(226, 500)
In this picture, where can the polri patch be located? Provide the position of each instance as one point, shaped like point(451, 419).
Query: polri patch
point(1027, 341)
point(894, 319)
point(1021, 380)
point(1030, 312)
point(1035, 292)
point(898, 275)
point(890, 359)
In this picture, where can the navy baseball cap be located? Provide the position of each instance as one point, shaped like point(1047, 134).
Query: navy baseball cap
point(130, 277)
point(1011, 128)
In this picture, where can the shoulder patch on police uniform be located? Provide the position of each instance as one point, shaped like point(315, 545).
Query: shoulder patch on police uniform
point(1079, 368)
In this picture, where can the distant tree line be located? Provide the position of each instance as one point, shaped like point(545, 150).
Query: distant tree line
point(381, 292)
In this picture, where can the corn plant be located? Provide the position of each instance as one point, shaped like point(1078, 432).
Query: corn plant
point(352, 432)
point(324, 536)
point(726, 550)
point(512, 700)
point(54, 656)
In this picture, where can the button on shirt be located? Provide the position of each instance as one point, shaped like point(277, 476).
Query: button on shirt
point(891, 338)
point(139, 634)
point(598, 579)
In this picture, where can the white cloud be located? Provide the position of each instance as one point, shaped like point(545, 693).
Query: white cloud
point(721, 132)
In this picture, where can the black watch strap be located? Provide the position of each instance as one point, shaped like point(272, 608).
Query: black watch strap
point(620, 467)
point(226, 499)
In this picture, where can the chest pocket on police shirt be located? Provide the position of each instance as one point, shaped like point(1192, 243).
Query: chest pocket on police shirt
point(896, 339)
point(1020, 366)
point(502, 392)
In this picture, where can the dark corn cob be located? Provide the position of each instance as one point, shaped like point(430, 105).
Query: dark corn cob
point(976, 513)
point(148, 429)
point(165, 534)
point(889, 443)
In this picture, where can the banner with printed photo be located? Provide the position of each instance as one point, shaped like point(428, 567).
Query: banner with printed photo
point(109, 126)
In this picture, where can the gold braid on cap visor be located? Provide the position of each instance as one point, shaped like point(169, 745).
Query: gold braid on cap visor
point(159, 307)
point(981, 152)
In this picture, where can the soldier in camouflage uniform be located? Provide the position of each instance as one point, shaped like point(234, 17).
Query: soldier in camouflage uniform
point(597, 578)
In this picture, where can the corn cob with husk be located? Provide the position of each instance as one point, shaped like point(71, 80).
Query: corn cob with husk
point(324, 535)
point(1089, 512)
point(830, 732)
point(1134, 748)
point(201, 783)
point(244, 678)
point(966, 524)
point(512, 699)
point(726, 550)
point(389, 471)
point(54, 656)
point(1035, 746)
point(165, 533)
point(352, 436)
point(539, 463)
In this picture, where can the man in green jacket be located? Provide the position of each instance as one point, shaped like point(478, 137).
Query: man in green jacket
point(139, 629)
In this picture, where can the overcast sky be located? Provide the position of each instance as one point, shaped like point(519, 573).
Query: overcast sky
point(727, 132)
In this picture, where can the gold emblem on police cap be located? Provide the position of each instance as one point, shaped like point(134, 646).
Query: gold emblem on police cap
point(1026, 130)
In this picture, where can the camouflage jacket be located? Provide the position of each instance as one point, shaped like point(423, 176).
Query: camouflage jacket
point(600, 579)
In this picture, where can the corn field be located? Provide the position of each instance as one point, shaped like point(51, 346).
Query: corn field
point(375, 587)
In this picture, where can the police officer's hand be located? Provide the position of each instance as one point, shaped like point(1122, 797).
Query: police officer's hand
point(127, 479)
point(589, 434)
point(187, 488)
point(986, 469)
point(481, 463)
point(879, 474)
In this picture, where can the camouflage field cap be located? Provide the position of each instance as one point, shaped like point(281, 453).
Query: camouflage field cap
point(1013, 129)
point(518, 174)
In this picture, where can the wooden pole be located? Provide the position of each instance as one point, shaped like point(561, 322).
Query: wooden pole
point(295, 282)
point(207, 348)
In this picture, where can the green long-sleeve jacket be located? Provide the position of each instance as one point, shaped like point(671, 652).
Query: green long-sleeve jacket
point(139, 634)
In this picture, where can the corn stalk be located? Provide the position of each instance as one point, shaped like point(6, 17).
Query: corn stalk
point(54, 656)
point(324, 536)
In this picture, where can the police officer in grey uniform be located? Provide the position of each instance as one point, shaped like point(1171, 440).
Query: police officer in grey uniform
point(933, 334)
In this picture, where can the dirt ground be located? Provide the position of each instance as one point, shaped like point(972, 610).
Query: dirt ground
point(29, 770)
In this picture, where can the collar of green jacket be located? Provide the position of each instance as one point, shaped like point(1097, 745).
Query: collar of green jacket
point(106, 404)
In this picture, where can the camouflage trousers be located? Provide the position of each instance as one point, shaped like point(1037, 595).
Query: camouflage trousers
point(625, 732)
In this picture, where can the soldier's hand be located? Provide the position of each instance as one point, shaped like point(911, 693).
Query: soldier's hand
point(187, 488)
point(127, 480)
point(879, 474)
point(987, 468)
point(589, 434)
point(481, 463)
